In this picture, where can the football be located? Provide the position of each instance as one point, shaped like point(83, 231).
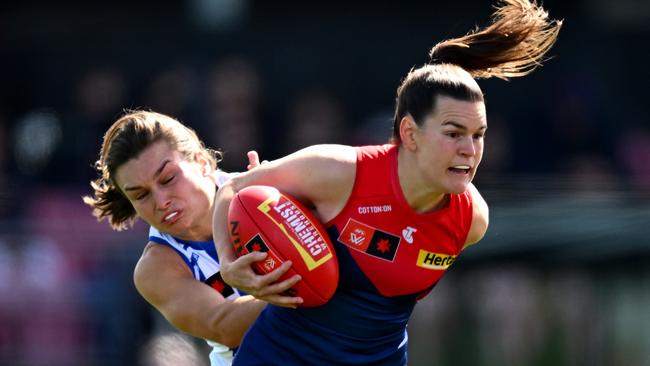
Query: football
point(261, 218)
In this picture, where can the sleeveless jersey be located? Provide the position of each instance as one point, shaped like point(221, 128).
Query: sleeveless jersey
point(202, 260)
point(389, 257)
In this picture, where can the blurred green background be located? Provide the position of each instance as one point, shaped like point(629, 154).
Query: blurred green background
point(562, 277)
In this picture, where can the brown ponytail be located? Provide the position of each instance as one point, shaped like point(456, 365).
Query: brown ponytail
point(513, 45)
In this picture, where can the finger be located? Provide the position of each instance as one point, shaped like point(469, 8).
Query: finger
point(280, 287)
point(274, 275)
point(283, 301)
point(250, 258)
point(253, 159)
point(240, 273)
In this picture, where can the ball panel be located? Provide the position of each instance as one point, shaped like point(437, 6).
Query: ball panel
point(262, 218)
point(246, 237)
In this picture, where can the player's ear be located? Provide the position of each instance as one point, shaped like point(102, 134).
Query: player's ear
point(204, 164)
point(407, 130)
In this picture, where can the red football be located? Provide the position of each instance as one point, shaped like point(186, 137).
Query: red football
point(261, 218)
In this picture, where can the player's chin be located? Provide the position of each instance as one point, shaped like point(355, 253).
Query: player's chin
point(457, 190)
point(458, 187)
point(178, 229)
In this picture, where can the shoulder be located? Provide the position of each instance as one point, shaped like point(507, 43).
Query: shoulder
point(327, 165)
point(156, 235)
point(326, 153)
point(321, 176)
point(306, 173)
point(157, 262)
point(480, 217)
point(326, 171)
point(376, 151)
point(349, 154)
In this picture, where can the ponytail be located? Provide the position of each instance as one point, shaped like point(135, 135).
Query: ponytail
point(513, 45)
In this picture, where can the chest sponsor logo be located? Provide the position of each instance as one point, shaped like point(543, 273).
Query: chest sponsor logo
point(370, 240)
point(407, 234)
point(435, 261)
point(374, 209)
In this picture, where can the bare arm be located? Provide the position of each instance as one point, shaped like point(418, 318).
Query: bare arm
point(480, 217)
point(320, 176)
point(164, 280)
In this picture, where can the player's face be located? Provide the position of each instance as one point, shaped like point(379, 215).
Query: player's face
point(450, 144)
point(170, 193)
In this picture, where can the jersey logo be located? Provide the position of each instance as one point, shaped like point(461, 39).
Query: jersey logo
point(408, 234)
point(435, 261)
point(367, 239)
point(376, 209)
point(194, 266)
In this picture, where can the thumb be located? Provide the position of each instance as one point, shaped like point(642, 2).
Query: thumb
point(253, 159)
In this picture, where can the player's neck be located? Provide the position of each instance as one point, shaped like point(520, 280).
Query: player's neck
point(419, 194)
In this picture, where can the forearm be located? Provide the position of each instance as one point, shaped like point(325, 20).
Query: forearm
point(224, 323)
point(231, 320)
point(205, 314)
point(220, 229)
point(165, 281)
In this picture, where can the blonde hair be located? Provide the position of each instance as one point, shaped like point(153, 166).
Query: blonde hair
point(126, 139)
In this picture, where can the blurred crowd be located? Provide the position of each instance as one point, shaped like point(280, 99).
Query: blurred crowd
point(275, 80)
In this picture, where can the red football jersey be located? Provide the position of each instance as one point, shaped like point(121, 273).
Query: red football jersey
point(384, 249)
point(401, 251)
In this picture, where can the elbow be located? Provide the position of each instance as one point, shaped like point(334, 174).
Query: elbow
point(259, 175)
point(226, 188)
point(227, 325)
point(215, 330)
point(223, 334)
point(239, 182)
point(228, 340)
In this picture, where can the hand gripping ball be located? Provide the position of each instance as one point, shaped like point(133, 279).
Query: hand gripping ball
point(261, 218)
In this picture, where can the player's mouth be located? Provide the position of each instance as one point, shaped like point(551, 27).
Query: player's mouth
point(460, 169)
point(171, 217)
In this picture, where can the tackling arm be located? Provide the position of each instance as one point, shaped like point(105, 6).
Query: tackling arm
point(191, 306)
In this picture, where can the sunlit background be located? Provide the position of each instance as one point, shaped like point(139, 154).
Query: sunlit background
point(562, 277)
